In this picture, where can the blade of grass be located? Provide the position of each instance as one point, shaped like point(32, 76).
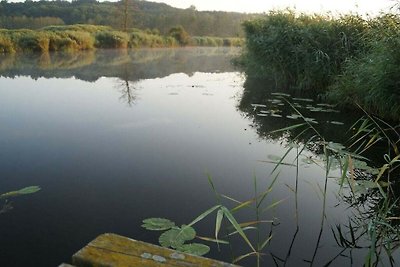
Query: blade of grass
point(236, 225)
point(204, 214)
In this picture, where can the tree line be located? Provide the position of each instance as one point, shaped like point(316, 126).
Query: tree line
point(122, 14)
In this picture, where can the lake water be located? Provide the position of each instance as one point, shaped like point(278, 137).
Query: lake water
point(114, 137)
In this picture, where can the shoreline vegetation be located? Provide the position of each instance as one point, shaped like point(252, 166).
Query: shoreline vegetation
point(87, 37)
point(349, 60)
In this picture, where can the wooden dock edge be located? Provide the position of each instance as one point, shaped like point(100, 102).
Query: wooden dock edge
point(111, 250)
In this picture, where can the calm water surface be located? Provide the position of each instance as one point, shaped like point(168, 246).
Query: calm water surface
point(113, 138)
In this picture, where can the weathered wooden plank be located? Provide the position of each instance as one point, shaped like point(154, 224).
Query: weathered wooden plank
point(110, 250)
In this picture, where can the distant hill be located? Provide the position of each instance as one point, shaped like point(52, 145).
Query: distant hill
point(141, 14)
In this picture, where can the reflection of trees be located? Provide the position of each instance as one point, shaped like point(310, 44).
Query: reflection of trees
point(142, 63)
point(128, 66)
point(126, 88)
point(258, 91)
point(373, 227)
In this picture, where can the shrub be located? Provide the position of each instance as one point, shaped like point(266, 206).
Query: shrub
point(372, 80)
point(304, 52)
point(180, 35)
point(33, 42)
point(112, 39)
point(6, 46)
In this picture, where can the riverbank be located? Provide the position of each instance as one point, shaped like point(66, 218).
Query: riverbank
point(87, 37)
point(348, 60)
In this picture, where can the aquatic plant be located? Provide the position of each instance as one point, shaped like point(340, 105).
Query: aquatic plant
point(368, 190)
point(175, 237)
point(7, 205)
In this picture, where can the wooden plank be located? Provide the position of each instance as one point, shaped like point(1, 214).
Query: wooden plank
point(111, 250)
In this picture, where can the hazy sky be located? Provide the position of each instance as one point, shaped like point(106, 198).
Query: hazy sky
point(259, 6)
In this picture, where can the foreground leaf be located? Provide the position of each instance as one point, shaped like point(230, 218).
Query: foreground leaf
point(237, 227)
point(170, 239)
point(23, 191)
point(157, 224)
point(195, 249)
point(176, 236)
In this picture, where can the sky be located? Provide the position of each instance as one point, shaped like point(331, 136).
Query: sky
point(371, 7)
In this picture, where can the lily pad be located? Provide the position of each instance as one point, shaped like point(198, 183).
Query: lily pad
point(280, 94)
point(176, 236)
point(276, 115)
point(336, 147)
point(258, 105)
point(195, 249)
point(157, 224)
point(311, 120)
point(303, 99)
point(336, 122)
point(170, 239)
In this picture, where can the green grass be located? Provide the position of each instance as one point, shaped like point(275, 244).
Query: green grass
point(216, 41)
point(86, 37)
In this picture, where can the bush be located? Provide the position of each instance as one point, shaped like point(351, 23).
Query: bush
point(347, 59)
point(33, 42)
point(304, 52)
point(6, 46)
point(373, 80)
point(180, 35)
point(111, 39)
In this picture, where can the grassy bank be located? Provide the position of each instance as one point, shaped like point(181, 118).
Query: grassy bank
point(348, 59)
point(85, 37)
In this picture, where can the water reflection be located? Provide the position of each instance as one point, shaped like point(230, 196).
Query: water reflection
point(128, 65)
point(363, 235)
point(125, 135)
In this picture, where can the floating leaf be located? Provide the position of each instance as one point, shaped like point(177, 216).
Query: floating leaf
point(195, 249)
point(336, 122)
point(276, 115)
point(275, 101)
point(293, 116)
point(170, 239)
point(23, 191)
point(362, 165)
point(336, 147)
point(187, 233)
point(364, 185)
point(303, 99)
point(258, 105)
point(280, 94)
point(325, 105)
point(313, 109)
point(176, 236)
point(157, 224)
point(333, 110)
point(311, 120)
